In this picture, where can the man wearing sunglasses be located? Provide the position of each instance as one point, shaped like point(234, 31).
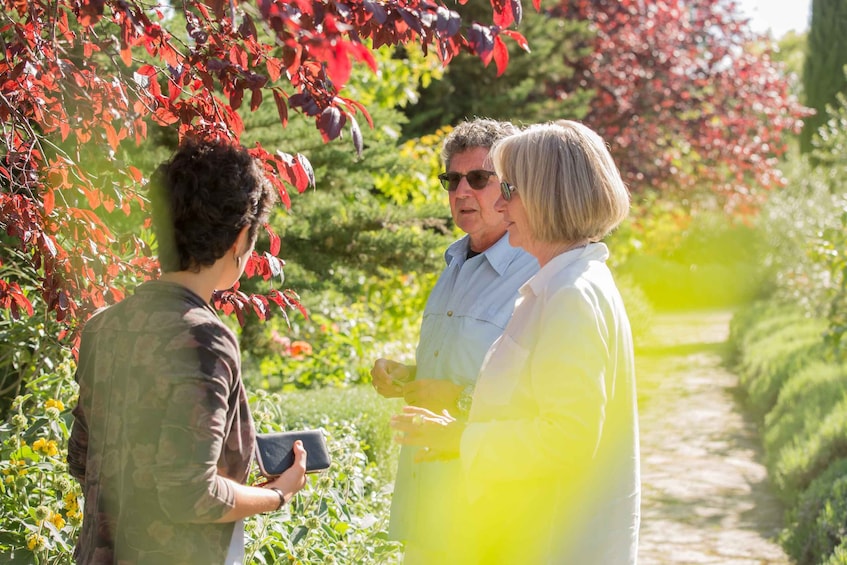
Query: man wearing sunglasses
point(466, 311)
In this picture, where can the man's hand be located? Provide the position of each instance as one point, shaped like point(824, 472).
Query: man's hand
point(433, 394)
point(294, 478)
point(438, 435)
point(389, 377)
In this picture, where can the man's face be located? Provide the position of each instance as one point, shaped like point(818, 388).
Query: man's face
point(473, 210)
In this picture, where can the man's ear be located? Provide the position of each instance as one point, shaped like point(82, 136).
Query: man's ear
point(242, 242)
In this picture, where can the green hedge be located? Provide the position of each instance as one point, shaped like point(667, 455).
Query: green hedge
point(800, 397)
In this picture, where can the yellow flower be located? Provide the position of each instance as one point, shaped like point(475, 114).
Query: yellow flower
point(58, 521)
point(47, 447)
point(70, 501)
point(53, 403)
point(34, 541)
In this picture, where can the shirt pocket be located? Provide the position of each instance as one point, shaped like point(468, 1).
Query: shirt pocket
point(502, 371)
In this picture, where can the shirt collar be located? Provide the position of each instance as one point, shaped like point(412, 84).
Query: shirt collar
point(499, 256)
point(591, 252)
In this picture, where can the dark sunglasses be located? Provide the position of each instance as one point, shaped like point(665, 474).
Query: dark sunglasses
point(506, 190)
point(477, 179)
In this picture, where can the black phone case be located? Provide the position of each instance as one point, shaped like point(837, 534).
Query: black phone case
point(275, 451)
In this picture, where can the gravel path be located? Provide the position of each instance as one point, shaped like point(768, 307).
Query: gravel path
point(706, 496)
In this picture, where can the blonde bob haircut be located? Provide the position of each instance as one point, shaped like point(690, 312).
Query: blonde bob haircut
point(566, 179)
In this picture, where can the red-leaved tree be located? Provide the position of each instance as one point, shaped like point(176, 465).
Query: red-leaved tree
point(81, 80)
point(686, 95)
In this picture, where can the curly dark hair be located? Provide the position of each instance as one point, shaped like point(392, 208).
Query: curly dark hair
point(201, 200)
point(479, 132)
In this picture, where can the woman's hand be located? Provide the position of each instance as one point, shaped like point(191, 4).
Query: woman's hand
point(294, 478)
point(389, 377)
point(433, 394)
point(439, 436)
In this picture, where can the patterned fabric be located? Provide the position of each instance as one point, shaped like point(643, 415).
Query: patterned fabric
point(162, 418)
point(466, 311)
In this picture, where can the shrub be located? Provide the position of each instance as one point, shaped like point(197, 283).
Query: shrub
point(341, 514)
point(812, 451)
point(769, 354)
point(781, 352)
point(682, 261)
point(359, 408)
point(338, 343)
point(818, 522)
point(803, 404)
point(839, 556)
point(39, 501)
point(638, 308)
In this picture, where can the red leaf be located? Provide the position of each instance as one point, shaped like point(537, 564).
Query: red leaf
point(137, 176)
point(501, 55)
point(339, 65)
point(275, 266)
point(275, 243)
point(281, 107)
point(235, 97)
point(305, 166)
point(49, 201)
point(274, 67)
point(330, 123)
point(502, 12)
point(126, 56)
point(260, 305)
point(481, 42)
point(256, 99)
point(520, 39)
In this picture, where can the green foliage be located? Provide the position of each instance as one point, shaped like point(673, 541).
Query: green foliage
point(839, 556)
point(803, 403)
point(383, 210)
point(823, 72)
point(341, 514)
point(805, 230)
point(811, 452)
point(638, 308)
point(39, 501)
point(357, 406)
point(416, 184)
point(684, 261)
point(780, 352)
point(520, 94)
point(26, 349)
point(773, 353)
point(791, 52)
point(817, 524)
point(338, 343)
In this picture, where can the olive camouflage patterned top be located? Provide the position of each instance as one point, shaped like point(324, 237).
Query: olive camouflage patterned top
point(162, 418)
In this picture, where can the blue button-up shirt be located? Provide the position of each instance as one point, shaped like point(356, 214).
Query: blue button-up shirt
point(465, 313)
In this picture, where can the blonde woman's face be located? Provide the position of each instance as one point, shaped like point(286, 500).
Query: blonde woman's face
point(472, 209)
point(517, 223)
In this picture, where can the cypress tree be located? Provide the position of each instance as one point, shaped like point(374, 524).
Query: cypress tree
point(823, 71)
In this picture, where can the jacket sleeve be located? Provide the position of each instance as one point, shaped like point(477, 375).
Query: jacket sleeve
point(193, 430)
point(564, 374)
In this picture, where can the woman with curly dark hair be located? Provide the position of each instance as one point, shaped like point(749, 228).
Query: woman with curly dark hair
point(162, 437)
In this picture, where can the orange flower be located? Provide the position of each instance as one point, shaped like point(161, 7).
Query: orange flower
point(300, 349)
